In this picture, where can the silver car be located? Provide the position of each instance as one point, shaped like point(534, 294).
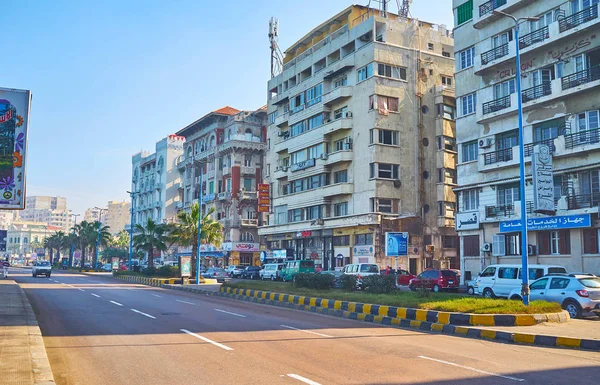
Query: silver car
point(41, 268)
point(215, 273)
point(577, 293)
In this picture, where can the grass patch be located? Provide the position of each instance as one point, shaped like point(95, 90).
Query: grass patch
point(436, 301)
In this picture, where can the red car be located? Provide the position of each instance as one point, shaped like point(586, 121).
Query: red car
point(403, 277)
point(436, 280)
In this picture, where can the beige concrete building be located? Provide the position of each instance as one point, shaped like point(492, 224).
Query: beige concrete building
point(118, 216)
point(47, 209)
point(93, 214)
point(560, 58)
point(228, 147)
point(361, 142)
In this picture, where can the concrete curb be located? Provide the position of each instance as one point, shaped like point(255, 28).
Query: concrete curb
point(159, 282)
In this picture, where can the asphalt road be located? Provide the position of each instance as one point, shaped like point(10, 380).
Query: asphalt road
point(103, 331)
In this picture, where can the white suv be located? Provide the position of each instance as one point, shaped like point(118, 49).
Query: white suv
point(41, 268)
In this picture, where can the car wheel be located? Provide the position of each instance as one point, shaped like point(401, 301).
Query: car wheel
point(471, 290)
point(573, 309)
point(412, 287)
point(283, 278)
point(516, 298)
point(272, 278)
point(488, 293)
point(33, 275)
point(48, 275)
point(436, 288)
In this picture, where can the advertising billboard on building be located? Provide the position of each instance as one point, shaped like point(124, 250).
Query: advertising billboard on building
point(396, 244)
point(14, 122)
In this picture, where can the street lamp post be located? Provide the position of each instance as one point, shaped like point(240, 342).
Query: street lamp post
point(73, 242)
point(199, 226)
point(524, 251)
point(131, 195)
point(98, 237)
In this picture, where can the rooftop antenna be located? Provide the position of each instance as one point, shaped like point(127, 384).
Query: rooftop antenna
point(276, 55)
point(383, 6)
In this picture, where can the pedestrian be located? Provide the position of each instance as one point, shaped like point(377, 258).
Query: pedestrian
point(388, 270)
point(5, 265)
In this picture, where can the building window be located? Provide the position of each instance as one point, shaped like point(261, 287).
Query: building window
point(446, 111)
point(590, 241)
point(391, 71)
point(446, 175)
point(446, 209)
point(247, 237)
point(447, 80)
point(508, 194)
point(340, 176)
point(295, 215)
point(466, 57)
point(363, 239)
point(512, 244)
point(554, 242)
point(364, 73)
point(468, 104)
point(587, 120)
point(446, 143)
point(471, 246)
point(449, 242)
point(503, 89)
point(464, 12)
point(314, 212)
point(340, 209)
point(343, 240)
point(470, 151)
point(470, 200)
point(384, 170)
point(385, 205)
point(340, 112)
point(384, 104)
point(430, 46)
point(340, 82)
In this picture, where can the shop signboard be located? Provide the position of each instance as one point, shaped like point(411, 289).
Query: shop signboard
point(363, 251)
point(543, 180)
point(264, 198)
point(548, 223)
point(396, 244)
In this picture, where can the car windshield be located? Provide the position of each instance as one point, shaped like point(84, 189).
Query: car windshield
point(369, 269)
point(307, 264)
point(448, 274)
point(43, 263)
point(593, 282)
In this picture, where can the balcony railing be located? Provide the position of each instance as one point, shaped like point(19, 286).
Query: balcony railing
point(498, 156)
point(496, 105)
point(582, 137)
point(250, 222)
point(495, 53)
point(578, 18)
point(534, 37)
point(248, 195)
point(224, 196)
point(529, 146)
point(581, 77)
point(499, 211)
point(536, 92)
point(488, 7)
point(583, 201)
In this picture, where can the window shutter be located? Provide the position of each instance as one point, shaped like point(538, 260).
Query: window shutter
point(564, 242)
point(543, 242)
point(499, 245)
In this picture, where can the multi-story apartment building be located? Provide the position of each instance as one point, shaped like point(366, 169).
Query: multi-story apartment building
point(25, 238)
point(156, 182)
point(118, 216)
point(361, 142)
point(47, 209)
point(93, 214)
point(560, 57)
point(228, 147)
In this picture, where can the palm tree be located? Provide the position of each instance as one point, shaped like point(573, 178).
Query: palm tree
point(50, 243)
point(185, 231)
point(152, 236)
point(86, 234)
point(101, 238)
point(60, 242)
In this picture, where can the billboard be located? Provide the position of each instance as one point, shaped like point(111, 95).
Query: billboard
point(14, 122)
point(396, 244)
point(3, 235)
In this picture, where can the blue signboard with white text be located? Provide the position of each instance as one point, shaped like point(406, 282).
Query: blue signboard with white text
point(396, 244)
point(548, 223)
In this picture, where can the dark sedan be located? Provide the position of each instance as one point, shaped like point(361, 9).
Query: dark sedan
point(251, 272)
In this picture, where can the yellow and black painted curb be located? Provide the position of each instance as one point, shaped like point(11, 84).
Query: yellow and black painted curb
point(159, 282)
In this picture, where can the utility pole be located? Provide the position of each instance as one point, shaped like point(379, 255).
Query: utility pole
point(73, 242)
point(131, 195)
point(98, 237)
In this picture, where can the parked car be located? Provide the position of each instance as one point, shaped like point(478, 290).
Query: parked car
point(403, 277)
point(500, 280)
point(271, 271)
point(577, 293)
point(251, 272)
point(41, 268)
point(361, 269)
point(235, 271)
point(292, 268)
point(470, 286)
point(107, 267)
point(337, 278)
point(215, 273)
point(436, 280)
point(87, 265)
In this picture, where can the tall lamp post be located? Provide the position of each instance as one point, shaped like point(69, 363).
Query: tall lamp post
point(98, 237)
point(73, 242)
point(199, 226)
point(524, 251)
point(131, 195)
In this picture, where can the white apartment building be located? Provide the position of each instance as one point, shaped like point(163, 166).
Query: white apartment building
point(227, 146)
point(93, 214)
point(118, 216)
point(560, 58)
point(156, 182)
point(47, 209)
point(361, 142)
point(25, 238)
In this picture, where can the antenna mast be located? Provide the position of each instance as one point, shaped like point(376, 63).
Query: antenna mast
point(276, 56)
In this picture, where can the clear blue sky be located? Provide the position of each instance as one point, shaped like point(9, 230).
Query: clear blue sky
point(112, 77)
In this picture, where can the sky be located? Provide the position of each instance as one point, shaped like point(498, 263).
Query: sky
point(110, 78)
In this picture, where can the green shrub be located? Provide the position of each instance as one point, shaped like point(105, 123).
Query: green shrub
point(168, 271)
point(320, 281)
point(349, 282)
point(302, 279)
point(149, 271)
point(378, 284)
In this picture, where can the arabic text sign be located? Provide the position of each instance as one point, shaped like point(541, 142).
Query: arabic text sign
point(396, 244)
point(548, 223)
point(115, 263)
point(467, 221)
point(543, 182)
point(14, 122)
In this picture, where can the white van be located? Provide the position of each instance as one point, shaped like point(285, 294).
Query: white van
point(362, 269)
point(271, 271)
point(500, 280)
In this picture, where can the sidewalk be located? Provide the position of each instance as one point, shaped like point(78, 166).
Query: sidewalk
point(23, 358)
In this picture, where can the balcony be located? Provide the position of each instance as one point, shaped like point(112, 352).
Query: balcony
point(226, 222)
point(583, 201)
point(494, 211)
point(489, 6)
point(582, 138)
point(494, 53)
point(498, 156)
point(248, 195)
point(337, 189)
point(249, 222)
point(534, 37)
point(536, 92)
point(210, 174)
point(158, 204)
point(178, 205)
point(496, 105)
point(247, 170)
point(178, 186)
point(208, 198)
point(243, 144)
point(581, 77)
point(224, 196)
point(337, 125)
point(578, 18)
point(281, 120)
point(337, 94)
point(529, 146)
point(339, 156)
point(225, 171)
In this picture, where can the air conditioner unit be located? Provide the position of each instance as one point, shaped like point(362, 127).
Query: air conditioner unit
point(284, 168)
point(531, 250)
point(397, 183)
point(348, 114)
point(324, 156)
point(485, 143)
point(430, 248)
point(487, 247)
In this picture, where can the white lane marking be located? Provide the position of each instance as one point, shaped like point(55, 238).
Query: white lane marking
point(80, 289)
point(228, 312)
point(303, 379)
point(145, 314)
point(305, 331)
point(116, 303)
point(473, 369)
point(189, 303)
point(206, 339)
point(95, 295)
point(156, 295)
